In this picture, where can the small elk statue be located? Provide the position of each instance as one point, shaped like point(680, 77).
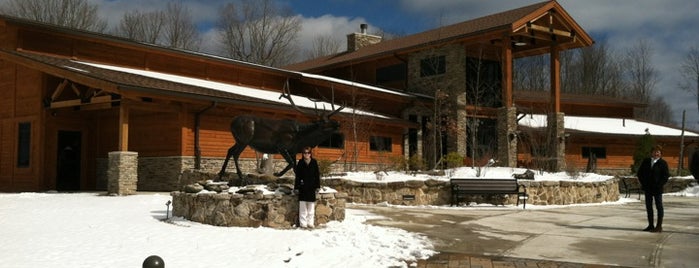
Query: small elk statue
point(285, 137)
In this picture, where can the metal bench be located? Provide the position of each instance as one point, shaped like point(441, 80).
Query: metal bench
point(461, 187)
point(630, 184)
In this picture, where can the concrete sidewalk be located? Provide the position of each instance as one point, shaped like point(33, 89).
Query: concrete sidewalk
point(574, 236)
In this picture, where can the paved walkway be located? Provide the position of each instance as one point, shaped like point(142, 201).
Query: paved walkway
point(573, 236)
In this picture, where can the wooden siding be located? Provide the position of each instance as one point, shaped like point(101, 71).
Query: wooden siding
point(155, 134)
point(21, 96)
point(619, 153)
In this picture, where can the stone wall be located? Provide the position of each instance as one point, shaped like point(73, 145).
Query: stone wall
point(571, 192)
point(438, 192)
point(253, 209)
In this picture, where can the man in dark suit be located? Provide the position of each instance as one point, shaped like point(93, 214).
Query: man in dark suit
point(694, 164)
point(653, 174)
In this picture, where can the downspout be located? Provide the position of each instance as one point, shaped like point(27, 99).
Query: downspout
point(197, 123)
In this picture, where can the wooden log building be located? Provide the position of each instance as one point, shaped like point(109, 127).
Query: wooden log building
point(87, 111)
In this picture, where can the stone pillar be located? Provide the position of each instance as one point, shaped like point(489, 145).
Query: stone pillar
point(122, 173)
point(507, 136)
point(461, 129)
point(556, 124)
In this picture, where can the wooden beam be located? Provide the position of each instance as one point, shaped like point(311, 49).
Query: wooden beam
point(507, 75)
point(123, 127)
point(555, 74)
point(59, 89)
point(558, 32)
point(79, 102)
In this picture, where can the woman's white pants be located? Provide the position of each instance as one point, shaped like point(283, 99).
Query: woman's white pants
point(307, 214)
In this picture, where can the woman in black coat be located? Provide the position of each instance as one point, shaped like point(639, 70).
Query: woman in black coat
point(307, 183)
point(653, 174)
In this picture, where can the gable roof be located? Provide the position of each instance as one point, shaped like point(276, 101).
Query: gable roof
point(509, 21)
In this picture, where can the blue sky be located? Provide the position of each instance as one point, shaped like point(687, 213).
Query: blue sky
point(669, 26)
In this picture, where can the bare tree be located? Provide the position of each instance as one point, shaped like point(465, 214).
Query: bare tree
point(642, 80)
point(594, 70)
point(180, 30)
point(142, 27)
point(259, 32)
point(76, 14)
point(531, 74)
point(690, 71)
point(172, 27)
point(323, 45)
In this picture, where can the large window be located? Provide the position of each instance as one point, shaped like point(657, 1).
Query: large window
point(337, 141)
point(599, 152)
point(433, 66)
point(392, 73)
point(24, 133)
point(377, 143)
point(483, 87)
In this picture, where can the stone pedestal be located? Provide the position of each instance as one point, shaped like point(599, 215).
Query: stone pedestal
point(122, 173)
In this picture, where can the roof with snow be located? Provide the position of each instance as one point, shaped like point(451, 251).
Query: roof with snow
point(605, 125)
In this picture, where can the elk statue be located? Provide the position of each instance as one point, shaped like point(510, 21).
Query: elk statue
point(272, 136)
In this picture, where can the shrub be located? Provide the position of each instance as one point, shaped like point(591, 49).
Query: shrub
point(454, 160)
point(415, 163)
point(324, 167)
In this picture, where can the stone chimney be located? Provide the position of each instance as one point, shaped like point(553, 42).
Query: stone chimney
point(356, 41)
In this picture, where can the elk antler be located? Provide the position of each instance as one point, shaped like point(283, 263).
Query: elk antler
point(332, 103)
point(286, 93)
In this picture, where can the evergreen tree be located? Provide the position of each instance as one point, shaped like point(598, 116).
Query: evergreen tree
point(643, 148)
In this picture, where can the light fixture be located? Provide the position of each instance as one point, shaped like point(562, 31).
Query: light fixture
point(520, 42)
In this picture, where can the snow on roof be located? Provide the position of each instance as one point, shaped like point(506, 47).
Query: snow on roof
point(350, 83)
point(606, 125)
point(230, 88)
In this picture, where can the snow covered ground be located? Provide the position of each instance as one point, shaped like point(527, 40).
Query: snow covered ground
point(93, 230)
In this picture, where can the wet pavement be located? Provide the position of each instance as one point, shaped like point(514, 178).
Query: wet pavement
point(572, 236)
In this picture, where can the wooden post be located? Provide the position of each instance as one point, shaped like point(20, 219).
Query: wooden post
point(555, 80)
point(123, 127)
point(507, 74)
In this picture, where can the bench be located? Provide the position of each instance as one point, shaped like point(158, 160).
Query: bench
point(461, 187)
point(630, 184)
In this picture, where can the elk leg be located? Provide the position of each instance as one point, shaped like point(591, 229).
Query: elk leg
point(234, 151)
point(289, 160)
point(225, 163)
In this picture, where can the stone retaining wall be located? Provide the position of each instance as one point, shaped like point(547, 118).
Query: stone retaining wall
point(253, 209)
point(438, 192)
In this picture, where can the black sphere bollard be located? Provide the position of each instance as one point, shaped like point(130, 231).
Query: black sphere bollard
point(153, 261)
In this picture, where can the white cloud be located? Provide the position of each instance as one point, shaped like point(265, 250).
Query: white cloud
point(328, 25)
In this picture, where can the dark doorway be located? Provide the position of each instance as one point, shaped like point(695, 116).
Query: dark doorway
point(68, 161)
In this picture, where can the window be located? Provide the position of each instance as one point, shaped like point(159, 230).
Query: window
point(599, 152)
point(377, 143)
point(433, 66)
point(483, 82)
point(337, 140)
point(23, 144)
point(397, 72)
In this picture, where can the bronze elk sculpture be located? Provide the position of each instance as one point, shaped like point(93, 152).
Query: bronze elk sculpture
point(272, 136)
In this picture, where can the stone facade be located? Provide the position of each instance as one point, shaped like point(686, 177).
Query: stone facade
point(253, 209)
point(507, 136)
point(122, 173)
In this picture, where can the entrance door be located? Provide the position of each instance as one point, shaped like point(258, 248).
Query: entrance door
point(68, 161)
